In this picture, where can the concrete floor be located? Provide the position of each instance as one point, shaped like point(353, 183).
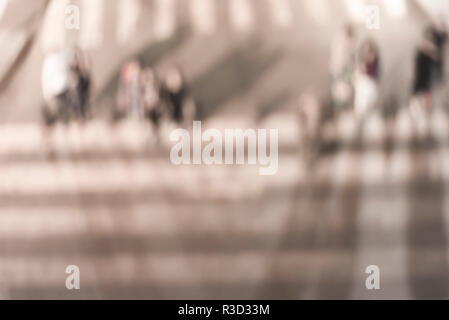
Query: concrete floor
point(139, 227)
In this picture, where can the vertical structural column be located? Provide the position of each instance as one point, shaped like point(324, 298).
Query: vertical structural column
point(241, 15)
point(128, 13)
point(54, 32)
point(92, 18)
point(282, 12)
point(203, 16)
point(164, 19)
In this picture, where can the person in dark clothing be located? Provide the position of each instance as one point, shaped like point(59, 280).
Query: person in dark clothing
point(83, 89)
point(177, 96)
point(82, 79)
point(423, 72)
point(176, 100)
point(439, 36)
point(151, 99)
point(422, 99)
point(426, 57)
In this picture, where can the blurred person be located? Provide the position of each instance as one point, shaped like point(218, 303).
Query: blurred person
point(177, 96)
point(56, 83)
point(439, 35)
point(81, 72)
point(151, 96)
point(426, 56)
point(310, 116)
point(65, 85)
point(129, 102)
point(342, 66)
point(366, 79)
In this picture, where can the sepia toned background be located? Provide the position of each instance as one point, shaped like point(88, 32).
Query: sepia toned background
point(139, 227)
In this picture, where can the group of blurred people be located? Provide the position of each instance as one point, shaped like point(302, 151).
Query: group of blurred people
point(355, 78)
point(144, 94)
point(354, 82)
point(66, 85)
point(147, 94)
point(354, 72)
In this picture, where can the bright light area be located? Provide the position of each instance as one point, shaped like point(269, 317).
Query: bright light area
point(396, 8)
point(202, 14)
point(318, 10)
point(436, 8)
point(165, 18)
point(92, 23)
point(53, 35)
point(128, 13)
point(356, 10)
point(241, 15)
point(3, 5)
point(282, 12)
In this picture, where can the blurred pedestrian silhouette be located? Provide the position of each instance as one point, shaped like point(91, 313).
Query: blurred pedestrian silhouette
point(310, 121)
point(176, 93)
point(427, 56)
point(81, 70)
point(366, 78)
point(129, 100)
point(66, 82)
point(342, 66)
point(151, 98)
point(439, 35)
